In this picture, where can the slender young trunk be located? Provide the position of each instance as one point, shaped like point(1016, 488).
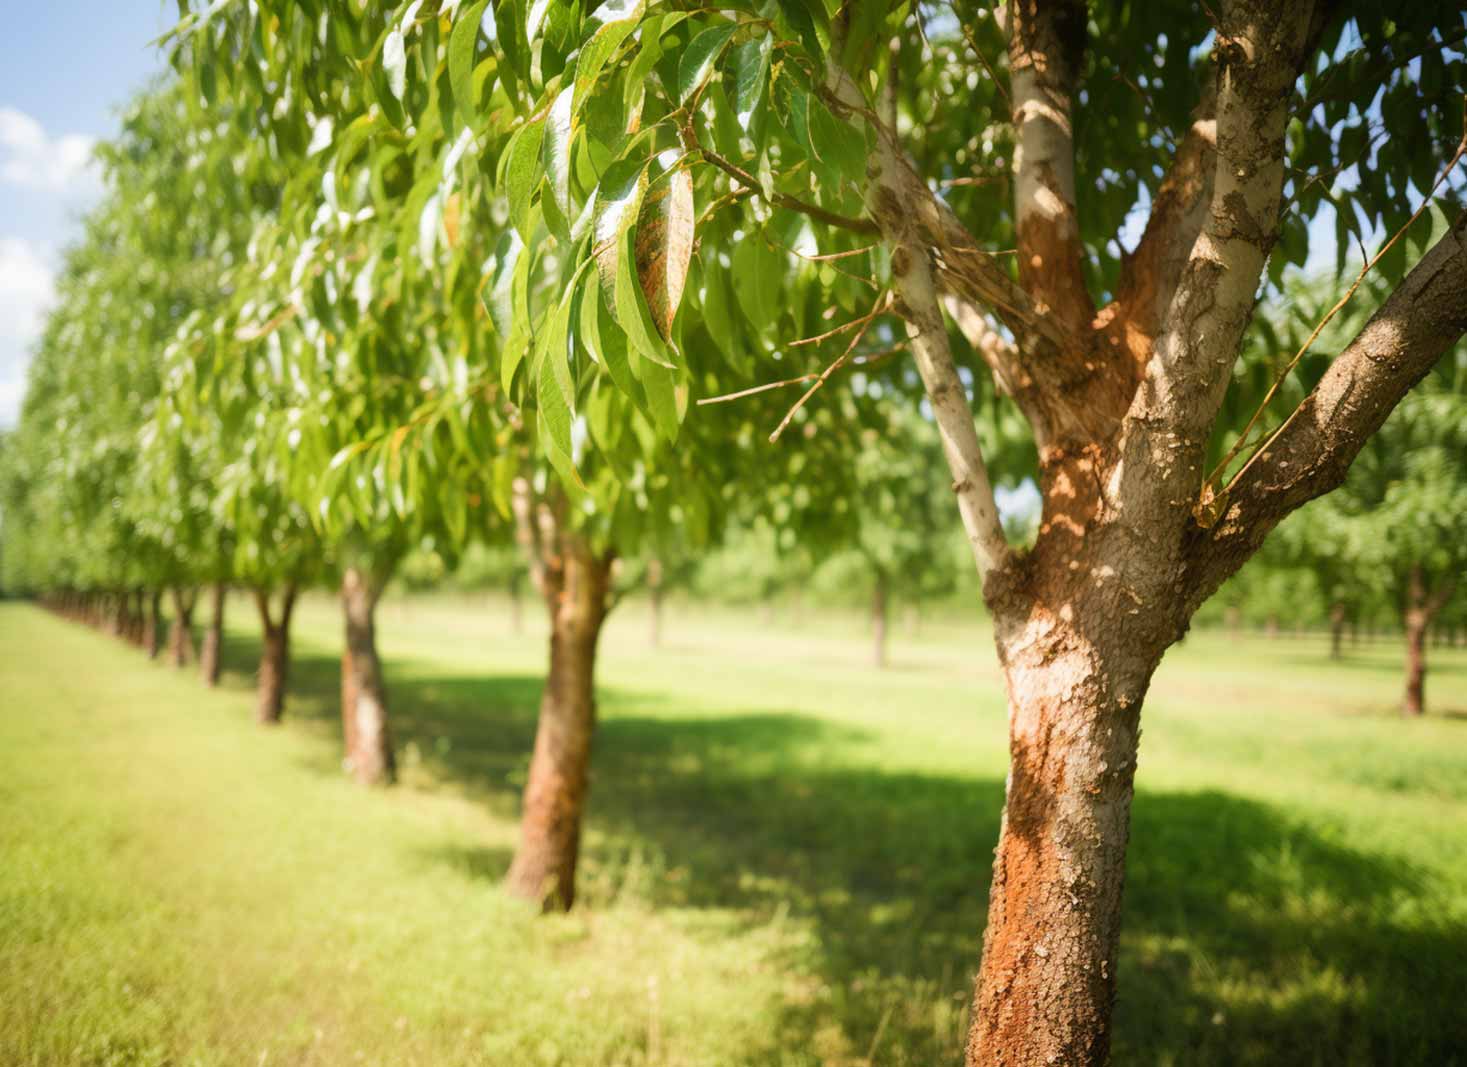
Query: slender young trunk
point(878, 620)
point(180, 632)
point(1417, 618)
point(544, 867)
point(654, 593)
point(151, 625)
point(363, 693)
point(274, 656)
point(516, 604)
point(213, 649)
point(1337, 619)
point(1271, 626)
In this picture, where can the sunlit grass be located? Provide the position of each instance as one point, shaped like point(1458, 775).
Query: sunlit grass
point(787, 858)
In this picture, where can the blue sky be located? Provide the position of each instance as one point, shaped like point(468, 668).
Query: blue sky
point(67, 68)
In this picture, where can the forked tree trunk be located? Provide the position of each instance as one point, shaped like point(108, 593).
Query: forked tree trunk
point(210, 656)
point(1337, 620)
point(879, 613)
point(180, 631)
point(368, 743)
point(544, 867)
point(274, 656)
point(152, 624)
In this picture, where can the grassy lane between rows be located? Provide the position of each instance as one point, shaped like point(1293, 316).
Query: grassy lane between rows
point(786, 863)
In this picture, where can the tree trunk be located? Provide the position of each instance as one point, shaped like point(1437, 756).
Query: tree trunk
point(516, 604)
point(213, 649)
point(1337, 619)
point(654, 593)
point(1047, 982)
point(274, 657)
point(544, 866)
point(878, 620)
point(152, 623)
point(363, 693)
point(1417, 618)
point(180, 631)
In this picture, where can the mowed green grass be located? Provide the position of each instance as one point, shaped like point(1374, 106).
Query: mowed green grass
point(787, 854)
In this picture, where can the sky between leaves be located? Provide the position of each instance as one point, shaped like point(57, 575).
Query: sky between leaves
point(67, 70)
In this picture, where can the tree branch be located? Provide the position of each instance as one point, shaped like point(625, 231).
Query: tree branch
point(1260, 47)
point(1419, 322)
point(912, 223)
point(1046, 46)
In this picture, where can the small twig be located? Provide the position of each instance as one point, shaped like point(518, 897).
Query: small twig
point(858, 361)
point(784, 200)
point(882, 302)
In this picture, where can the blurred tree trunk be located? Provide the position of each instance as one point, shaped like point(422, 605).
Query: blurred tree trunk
point(180, 631)
point(575, 582)
point(654, 595)
point(274, 655)
point(516, 603)
point(1338, 616)
point(879, 612)
point(213, 649)
point(153, 623)
point(368, 742)
point(1420, 609)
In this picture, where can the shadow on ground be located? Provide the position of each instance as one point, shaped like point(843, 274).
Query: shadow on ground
point(1249, 939)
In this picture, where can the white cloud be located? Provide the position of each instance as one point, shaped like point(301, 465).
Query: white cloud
point(31, 158)
point(27, 286)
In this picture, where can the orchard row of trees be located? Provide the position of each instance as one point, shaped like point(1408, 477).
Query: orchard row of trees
point(600, 276)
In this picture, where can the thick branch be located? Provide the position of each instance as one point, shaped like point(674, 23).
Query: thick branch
point(1046, 45)
point(1003, 359)
point(1149, 275)
point(1260, 47)
point(1420, 321)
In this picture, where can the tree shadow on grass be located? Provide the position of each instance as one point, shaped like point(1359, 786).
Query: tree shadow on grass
point(1249, 938)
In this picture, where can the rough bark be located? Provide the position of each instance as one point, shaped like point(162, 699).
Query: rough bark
point(879, 613)
point(368, 742)
point(575, 586)
point(181, 629)
point(274, 656)
point(210, 655)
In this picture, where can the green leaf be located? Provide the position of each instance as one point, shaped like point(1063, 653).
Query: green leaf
point(664, 245)
point(699, 57)
point(617, 18)
point(521, 173)
point(394, 62)
point(559, 130)
point(462, 45)
point(751, 82)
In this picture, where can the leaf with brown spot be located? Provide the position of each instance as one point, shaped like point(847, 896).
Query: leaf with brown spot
point(664, 246)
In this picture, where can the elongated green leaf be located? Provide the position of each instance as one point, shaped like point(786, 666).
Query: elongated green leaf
point(520, 173)
point(559, 132)
point(617, 20)
point(699, 57)
point(463, 43)
point(751, 82)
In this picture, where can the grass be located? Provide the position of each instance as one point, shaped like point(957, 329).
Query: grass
point(787, 859)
